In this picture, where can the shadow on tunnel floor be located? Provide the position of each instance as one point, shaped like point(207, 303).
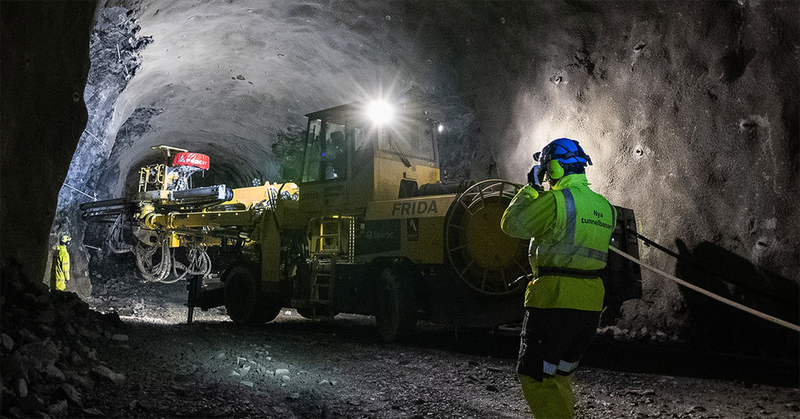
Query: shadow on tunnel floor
point(685, 361)
point(673, 359)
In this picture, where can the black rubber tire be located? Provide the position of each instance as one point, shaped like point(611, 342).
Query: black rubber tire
point(397, 306)
point(244, 301)
point(269, 311)
point(319, 312)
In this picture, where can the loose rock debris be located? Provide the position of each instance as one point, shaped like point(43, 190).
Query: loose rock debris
point(49, 351)
point(82, 363)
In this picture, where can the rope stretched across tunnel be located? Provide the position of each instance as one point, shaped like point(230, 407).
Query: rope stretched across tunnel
point(709, 294)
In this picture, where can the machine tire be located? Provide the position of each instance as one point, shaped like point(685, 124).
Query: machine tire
point(244, 301)
point(316, 313)
point(269, 311)
point(396, 306)
point(306, 312)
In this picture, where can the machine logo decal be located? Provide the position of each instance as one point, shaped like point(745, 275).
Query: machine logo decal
point(412, 229)
point(414, 208)
point(379, 236)
point(417, 207)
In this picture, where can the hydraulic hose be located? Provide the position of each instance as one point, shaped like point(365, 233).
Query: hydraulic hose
point(115, 240)
point(199, 264)
point(153, 272)
point(701, 290)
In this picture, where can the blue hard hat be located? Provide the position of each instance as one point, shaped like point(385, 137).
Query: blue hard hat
point(565, 150)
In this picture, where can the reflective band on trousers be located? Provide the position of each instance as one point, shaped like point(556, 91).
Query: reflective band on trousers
point(548, 368)
point(567, 367)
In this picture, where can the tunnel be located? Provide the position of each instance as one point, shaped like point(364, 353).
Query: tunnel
point(689, 111)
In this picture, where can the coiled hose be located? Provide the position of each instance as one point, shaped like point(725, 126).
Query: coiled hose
point(199, 262)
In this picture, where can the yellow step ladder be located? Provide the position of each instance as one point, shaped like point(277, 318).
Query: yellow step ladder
point(325, 251)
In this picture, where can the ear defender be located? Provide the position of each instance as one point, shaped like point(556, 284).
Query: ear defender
point(555, 171)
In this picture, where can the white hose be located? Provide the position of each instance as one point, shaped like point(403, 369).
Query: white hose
point(144, 254)
point(708, 293)
point(199, 264)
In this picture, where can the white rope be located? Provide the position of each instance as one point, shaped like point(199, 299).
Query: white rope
point(95, 137)
point(708, 293)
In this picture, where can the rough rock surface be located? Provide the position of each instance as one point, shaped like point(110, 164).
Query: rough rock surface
point(690, 111)
point(114, 48)
point(49, 355)
point(45, 60)
point(300, 368)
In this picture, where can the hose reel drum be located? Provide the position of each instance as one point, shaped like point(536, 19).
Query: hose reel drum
point(483, 257)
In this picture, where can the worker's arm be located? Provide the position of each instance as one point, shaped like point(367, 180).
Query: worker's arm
point(530, 214)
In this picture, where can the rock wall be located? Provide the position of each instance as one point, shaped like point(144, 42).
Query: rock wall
point(690, 114)
point(688, 109)
point(114, 48)
point(45, 61)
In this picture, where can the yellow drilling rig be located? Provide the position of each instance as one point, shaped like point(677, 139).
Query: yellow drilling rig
point(368, 227)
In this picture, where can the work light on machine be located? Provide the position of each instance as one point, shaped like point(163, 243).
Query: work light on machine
point(380, 112)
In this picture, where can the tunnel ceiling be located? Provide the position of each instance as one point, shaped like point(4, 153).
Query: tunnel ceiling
point(688, 109)
point(223, 78)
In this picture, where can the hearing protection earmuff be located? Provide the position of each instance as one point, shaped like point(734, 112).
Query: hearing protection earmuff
point(555, 171)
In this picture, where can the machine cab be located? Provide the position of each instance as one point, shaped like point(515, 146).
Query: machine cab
point(360, 153)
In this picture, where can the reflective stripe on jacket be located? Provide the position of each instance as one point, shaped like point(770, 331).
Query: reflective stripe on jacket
point(569, 227)
point(583, 229)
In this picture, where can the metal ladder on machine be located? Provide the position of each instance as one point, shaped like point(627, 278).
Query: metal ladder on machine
point(323, 262)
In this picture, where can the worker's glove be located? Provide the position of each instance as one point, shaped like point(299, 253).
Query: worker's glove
point(534, 178)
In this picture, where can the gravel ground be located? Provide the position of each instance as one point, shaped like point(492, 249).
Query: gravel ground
point(339, 368)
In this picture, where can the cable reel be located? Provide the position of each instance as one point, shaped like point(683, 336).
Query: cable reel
point(481, 254)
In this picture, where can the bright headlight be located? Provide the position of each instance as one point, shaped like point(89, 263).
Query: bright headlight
point(380, 112)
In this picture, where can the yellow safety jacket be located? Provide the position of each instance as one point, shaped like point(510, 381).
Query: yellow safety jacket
point(61, 267)
point(570, 230)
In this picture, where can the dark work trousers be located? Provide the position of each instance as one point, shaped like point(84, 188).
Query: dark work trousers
point(553, 340)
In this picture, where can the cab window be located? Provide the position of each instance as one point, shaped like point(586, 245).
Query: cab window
point(413, 140)
point(334, 152)
point(313, 152)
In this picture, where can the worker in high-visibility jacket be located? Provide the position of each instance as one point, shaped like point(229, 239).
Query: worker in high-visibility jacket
point(61, 263)
point(570, 230)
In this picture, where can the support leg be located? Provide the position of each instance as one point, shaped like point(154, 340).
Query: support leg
point(194, 285)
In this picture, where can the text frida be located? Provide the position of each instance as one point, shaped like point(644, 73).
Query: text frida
point(414, 208)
